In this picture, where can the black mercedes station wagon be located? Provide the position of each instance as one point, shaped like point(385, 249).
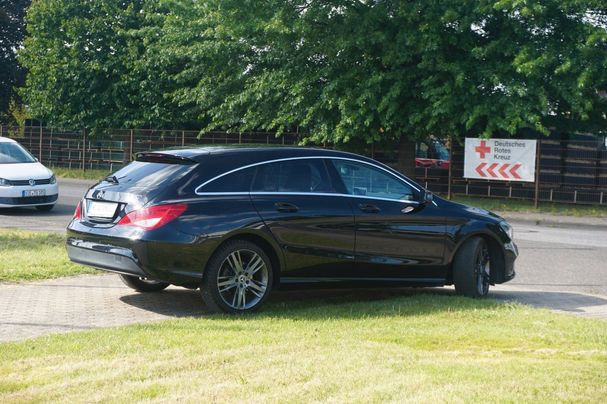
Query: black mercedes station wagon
point(238, 222)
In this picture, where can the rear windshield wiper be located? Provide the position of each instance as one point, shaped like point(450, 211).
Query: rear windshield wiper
point(111, 179)
point(163, 158)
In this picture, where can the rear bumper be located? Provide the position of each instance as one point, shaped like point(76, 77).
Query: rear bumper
point(106, 257)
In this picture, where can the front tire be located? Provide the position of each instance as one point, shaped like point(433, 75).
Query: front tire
point(472, 269)
point(238, 278)
point(142, 284)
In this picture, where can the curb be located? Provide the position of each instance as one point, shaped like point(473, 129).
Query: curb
point(555, 220)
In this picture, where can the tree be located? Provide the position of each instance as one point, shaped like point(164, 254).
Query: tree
point(12, 30)
point(375, 70)
point(83, 59)
point(342, 70)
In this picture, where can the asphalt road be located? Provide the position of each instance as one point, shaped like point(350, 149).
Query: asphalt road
point(552, 257)
point(70, 193)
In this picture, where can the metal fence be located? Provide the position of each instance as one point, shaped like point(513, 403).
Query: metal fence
point(572, 168)
point(114, 148)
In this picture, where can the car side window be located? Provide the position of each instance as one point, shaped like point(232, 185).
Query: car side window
point(293, 176)
point(238, 181)
point(366, 180)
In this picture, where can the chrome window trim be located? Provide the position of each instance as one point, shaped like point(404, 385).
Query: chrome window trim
point(198, 192)
point(307, 194)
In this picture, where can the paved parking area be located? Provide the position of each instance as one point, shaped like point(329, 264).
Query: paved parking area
point(88, 302)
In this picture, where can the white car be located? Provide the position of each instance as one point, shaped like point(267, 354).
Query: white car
point(23, 180)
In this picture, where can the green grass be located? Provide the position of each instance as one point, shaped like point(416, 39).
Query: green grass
point(343, 348)
point(517, 205)
point(28, 256)
point(62, 172)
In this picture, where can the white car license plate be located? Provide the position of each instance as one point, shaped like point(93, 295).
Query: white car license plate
point(101, 209)
point(33, 192)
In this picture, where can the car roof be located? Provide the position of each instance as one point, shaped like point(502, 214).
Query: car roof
point(6, 140)
point(217, 160)
point(252, 152)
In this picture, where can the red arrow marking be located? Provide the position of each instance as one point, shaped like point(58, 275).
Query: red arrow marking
point(513, 171)
point(491, 168)
point(479, 169)
point(501, 170)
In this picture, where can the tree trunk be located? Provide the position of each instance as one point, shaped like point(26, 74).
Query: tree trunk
point(406, 156)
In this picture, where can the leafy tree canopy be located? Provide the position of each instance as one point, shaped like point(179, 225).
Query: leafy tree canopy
point(12, 30)
point(84, 65)
point(341, 69)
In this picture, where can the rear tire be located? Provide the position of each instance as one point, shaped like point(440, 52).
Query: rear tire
point(471, 269)
point(45, 208)
point(238, 278)
point(142, 284)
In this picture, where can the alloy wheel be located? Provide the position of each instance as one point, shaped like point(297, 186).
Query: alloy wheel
point(242, 280)
point(482, 269)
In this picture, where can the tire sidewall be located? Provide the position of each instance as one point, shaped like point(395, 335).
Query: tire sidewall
point(464, 268)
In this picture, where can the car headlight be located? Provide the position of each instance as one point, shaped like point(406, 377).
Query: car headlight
point(507, 229)
point(53, 179)
point(4, 182)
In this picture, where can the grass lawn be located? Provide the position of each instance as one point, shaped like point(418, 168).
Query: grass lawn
point(28, 256)
point(516, 205)
point(342, 348)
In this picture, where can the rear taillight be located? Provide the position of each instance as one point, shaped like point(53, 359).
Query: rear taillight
point(153, 217)
point(78, 211)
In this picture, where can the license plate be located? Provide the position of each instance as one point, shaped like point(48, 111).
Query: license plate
point(33, 192)
point(101, 209)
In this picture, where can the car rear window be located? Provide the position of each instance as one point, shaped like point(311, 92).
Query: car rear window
point(143, 174)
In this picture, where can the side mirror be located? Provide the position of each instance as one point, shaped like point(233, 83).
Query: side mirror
point(427, 197)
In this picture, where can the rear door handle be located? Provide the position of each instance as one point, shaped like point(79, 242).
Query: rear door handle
point(285, 207)
point(366, 207)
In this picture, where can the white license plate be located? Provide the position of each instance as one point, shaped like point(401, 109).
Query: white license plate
point(101, 209)
point(33, 192)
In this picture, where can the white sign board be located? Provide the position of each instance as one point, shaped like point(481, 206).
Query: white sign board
point(500, 159)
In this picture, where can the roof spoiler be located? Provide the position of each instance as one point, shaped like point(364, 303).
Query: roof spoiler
point(165, 158)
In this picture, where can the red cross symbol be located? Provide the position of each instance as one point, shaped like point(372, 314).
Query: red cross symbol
point(482, 149)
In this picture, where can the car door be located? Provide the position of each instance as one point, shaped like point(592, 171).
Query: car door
point(313, 224)
point(397, 236)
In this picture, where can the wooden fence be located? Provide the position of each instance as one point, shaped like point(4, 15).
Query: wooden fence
point(572, 168)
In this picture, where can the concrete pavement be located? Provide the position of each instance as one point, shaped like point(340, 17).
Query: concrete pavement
point(98, 301)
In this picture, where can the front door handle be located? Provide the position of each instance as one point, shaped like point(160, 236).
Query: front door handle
point(285, 207)
point(367, 207)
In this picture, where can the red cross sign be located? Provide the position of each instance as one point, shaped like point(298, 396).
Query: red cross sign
point(500, 159)
point(482, 149)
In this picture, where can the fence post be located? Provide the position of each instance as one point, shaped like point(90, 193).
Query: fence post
point(83, 149)
point(40, 144)
point(182, 138)
point(131, 146)
point(450, 174)
point(537, 173)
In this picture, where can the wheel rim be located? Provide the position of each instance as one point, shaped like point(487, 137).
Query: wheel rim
point(242, 280)
point(483, 271)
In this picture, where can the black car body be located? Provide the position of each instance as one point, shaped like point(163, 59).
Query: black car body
point(308, 216)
